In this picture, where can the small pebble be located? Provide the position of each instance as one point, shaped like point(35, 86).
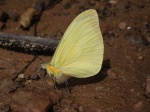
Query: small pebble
point(122, 25)
point(128, 28)
point(92, 2)
point(138, 107)
point(28, 82)
point(111, 73)
point(21, 76)
point(132, 90)
point(140, 57)
point(113, 2)
point(81, 109)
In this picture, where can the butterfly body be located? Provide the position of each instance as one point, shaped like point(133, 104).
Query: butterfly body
point(52, 70)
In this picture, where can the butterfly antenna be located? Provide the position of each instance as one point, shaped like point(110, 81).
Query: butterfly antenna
point(40, 59)
point(38, 56)
point(24, 68)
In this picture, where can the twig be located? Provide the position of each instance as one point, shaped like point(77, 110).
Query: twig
point(28, 43)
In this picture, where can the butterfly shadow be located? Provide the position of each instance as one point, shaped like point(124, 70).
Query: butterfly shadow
point(94, 79)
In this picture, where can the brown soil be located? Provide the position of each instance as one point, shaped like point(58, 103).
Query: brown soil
point(118, 87)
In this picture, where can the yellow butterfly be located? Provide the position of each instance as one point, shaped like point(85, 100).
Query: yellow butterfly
point(80, 51)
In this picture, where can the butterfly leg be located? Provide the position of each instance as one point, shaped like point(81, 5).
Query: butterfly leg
point(68, 88)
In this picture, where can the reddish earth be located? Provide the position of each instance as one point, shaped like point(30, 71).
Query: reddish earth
point(123, 84)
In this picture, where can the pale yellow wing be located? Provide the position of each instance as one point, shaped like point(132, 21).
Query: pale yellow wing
point(80, 52)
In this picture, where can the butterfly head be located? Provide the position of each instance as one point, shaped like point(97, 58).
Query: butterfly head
point(52, 70)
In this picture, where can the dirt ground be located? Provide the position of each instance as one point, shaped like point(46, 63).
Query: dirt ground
point(122, 85)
